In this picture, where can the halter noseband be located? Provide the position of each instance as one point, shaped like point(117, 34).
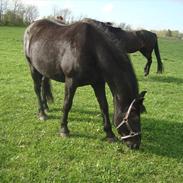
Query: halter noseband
point(125, 121)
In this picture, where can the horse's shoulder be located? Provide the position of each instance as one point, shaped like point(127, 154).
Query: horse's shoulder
point(84, 28)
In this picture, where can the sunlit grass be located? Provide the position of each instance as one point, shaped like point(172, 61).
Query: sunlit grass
point(32, 151)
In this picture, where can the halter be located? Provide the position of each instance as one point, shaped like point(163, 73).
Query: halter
point(125, 121)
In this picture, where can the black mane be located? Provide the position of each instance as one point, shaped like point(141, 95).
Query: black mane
point(110, 31)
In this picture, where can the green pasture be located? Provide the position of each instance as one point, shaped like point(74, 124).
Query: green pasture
point(32, 151)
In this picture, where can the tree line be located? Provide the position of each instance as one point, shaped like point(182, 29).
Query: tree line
point(169, 33)
point(14, 12)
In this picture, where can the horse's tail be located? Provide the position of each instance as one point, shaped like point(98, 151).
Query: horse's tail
point(46, 87)
point(157, 53)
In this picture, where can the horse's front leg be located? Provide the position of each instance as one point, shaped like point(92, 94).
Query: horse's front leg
point(99, 90)
point(69, 94)
point(147, 54)
point(147, 66)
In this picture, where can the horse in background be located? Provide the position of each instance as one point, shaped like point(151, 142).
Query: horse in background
point(60, 19)
point(132, 41)
point(79, 55)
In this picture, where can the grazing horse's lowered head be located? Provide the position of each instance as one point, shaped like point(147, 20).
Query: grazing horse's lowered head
point(128, 124)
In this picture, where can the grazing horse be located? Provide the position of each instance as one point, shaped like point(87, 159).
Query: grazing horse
point(132, 41)
point(79, 54)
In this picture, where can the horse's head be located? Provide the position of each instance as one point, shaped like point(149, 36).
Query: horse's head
point(129, 126)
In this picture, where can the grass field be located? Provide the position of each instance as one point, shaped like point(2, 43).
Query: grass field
point(32, 151)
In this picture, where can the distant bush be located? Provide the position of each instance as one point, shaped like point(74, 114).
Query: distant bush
point(169, 33)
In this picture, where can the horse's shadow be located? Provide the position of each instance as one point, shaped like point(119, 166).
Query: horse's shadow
point(160, 137)
point(76, 109)
point(81, 135)
point(165, 79)
point(76, 114)
point(163, 138)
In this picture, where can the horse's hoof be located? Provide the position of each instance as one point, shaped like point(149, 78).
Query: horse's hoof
point(46, 110)
point(43, 117)
point(146, 72)
point(64, 135)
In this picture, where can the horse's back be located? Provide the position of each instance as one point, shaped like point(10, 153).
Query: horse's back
point(147, 36)
point(57, 51)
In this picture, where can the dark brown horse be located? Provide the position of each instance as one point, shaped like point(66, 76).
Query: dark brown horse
point(132, 41)
point(79, 55)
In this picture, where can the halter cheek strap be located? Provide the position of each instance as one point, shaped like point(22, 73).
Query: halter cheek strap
point(125, 121)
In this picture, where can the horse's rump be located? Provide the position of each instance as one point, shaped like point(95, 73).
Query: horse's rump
point(56, 51)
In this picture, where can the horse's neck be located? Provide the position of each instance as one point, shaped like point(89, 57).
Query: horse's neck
point(124, 89)
point(118, 72)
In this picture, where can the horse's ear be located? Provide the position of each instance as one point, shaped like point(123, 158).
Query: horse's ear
point(142, 94)
point(140, 100)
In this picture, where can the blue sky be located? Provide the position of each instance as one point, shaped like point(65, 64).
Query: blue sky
point(148, 14)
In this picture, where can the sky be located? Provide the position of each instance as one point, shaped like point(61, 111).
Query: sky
point(148, 14)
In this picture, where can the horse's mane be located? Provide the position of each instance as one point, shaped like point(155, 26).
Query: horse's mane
point(108, 29)
point(109, 33)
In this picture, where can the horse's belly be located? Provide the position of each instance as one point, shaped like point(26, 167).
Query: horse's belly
point(58, 77)
point(50, 70)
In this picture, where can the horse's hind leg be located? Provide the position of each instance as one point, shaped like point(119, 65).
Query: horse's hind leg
point(147, 54)
point(46, 93)
point(99, 90)
point(147, 66)
point(69, 95)
point(37, 78)
point(44, 99)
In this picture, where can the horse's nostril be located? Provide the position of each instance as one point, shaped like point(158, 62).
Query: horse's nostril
point(133, 146)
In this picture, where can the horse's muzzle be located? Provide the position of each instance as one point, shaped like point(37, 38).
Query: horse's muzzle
point(133, 146)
